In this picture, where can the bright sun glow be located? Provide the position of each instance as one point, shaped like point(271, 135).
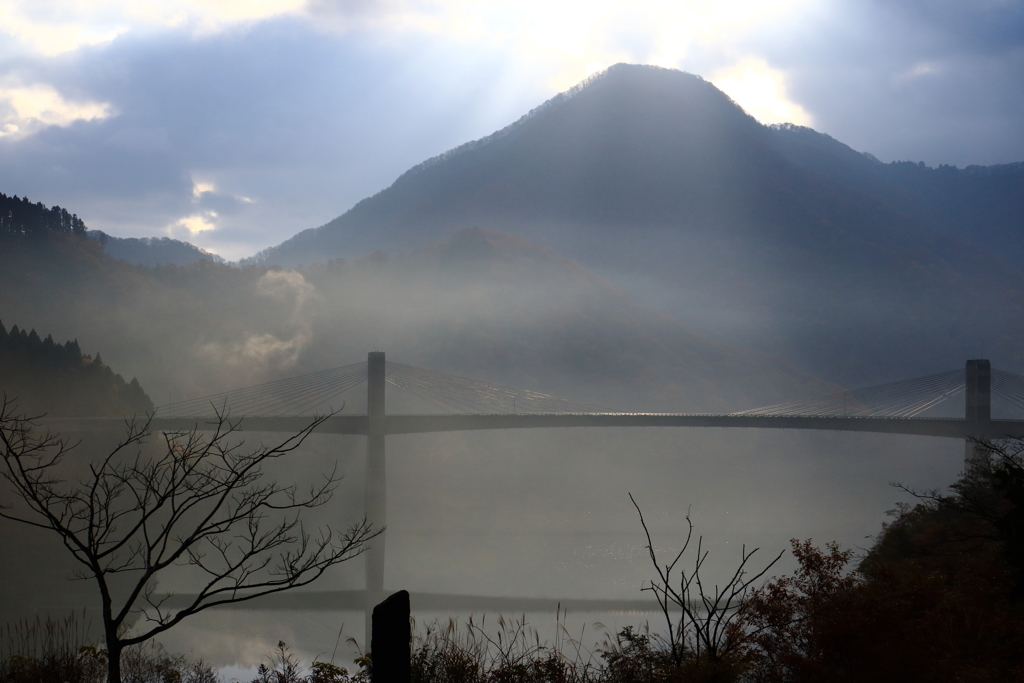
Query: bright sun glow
point(574, 33)
point(579, 37)
point(761, 91)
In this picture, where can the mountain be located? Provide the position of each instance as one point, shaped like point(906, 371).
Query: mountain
point(632, 145)
point(776, 238)
point(152, 251)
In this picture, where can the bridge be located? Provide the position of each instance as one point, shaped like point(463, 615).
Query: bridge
point(466, 404)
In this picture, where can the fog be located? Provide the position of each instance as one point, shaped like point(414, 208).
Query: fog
point(515, 514)
point(546, 513)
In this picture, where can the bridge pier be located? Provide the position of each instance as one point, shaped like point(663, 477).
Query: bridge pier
point(978, 401)
point(376, 484)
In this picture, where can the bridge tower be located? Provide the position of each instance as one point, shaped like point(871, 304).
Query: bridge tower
point(978, 402)
point(376, 483)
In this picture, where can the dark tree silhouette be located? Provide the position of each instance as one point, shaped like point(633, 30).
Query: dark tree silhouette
point(200, 502)
point(20, 217)
point(58, 379)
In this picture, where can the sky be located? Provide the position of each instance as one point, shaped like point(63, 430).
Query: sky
point(234, 124)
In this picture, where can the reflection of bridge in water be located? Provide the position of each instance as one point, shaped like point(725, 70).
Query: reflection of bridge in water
point(286, 406)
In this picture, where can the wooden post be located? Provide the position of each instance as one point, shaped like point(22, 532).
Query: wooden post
point(391, 642)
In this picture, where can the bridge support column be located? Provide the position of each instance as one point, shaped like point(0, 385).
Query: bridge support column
point(978, 401)
point(376, 484)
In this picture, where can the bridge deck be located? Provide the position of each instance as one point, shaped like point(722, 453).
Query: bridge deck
point(458, 422)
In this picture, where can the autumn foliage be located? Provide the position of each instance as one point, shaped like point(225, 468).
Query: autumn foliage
point(936, 599)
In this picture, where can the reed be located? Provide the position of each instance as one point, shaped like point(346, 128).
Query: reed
point(64, 651)
point(512, 652)
point(45, 650)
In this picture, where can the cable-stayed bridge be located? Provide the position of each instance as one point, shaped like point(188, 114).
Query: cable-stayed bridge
point(463, 404)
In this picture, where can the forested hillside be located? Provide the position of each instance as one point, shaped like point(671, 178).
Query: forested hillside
point(982, 206)
point(43, 377)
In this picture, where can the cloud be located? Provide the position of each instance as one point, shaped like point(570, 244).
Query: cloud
point(910, 80)
point(52, 27)
point(209, 206)
point(27, 109)
point(192, 225)
point(199, 189)
point(573, 38)
point(215, 203)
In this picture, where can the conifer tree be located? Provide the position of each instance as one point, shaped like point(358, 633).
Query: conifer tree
point(59, 380)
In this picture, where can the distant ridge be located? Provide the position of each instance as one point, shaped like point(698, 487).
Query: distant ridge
point(152, 251)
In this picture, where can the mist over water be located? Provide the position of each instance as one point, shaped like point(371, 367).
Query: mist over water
point(546, 513)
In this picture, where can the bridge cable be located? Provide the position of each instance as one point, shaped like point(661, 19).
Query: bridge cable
point(906, 398)
point(285, 393)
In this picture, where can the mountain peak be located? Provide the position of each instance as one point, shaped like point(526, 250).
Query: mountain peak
point(636, 83)
point(633, 144)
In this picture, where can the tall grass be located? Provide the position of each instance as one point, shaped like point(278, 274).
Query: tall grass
point(40, 651)
point(514, 653)
point(509, 651)
point(63, 651)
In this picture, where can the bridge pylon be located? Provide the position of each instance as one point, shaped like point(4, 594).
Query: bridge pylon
point(978, 401)
point(376, 483)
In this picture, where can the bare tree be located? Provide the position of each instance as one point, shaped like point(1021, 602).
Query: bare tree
point(709, 625)
point(200, 502)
